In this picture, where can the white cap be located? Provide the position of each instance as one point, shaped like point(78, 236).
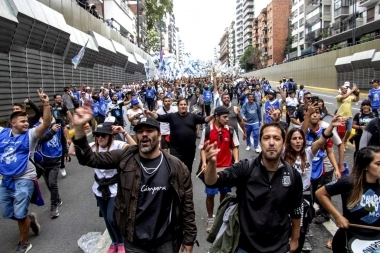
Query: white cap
point(347, 84)
point(88, 88)
point(102, 88)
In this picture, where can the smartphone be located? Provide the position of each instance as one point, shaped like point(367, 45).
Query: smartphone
point(315, 99)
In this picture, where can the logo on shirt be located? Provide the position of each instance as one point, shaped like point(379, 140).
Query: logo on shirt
point(53, 143)
point(370, 203)
point(286, 179)
point(9, 155)
point(146, 188)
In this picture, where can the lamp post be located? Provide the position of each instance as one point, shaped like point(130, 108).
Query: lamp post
point(138, 24)
point(354, 22)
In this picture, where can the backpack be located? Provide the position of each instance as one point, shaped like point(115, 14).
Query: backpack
point(292, 86)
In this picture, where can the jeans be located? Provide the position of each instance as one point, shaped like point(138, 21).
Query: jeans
point(186, 156)
point(254, 131)
point(15, 203)
point(150, 103)
point(167, 247)
point(51, 177)
point(107, 208)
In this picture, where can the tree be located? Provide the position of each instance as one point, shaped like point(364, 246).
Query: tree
point(156, 10)
point(153, 40)
point(250, 59)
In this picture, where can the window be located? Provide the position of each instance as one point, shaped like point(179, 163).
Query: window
point(327, 9)
point(301, 35)
point(301, 22)
point(371, 14)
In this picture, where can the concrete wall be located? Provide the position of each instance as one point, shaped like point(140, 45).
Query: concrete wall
point(318, 70)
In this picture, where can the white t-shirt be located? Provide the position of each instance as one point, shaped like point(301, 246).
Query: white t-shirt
point(306, 174)
point(101, 173)
point(30, 172)
point(165, 127)
point(217, 99)
point(300, 95)
point(291, 101)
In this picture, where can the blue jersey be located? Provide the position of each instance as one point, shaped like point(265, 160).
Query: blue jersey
point(95, 108)
point(266, 87)
point(207, 96)
point(150, 93)
point(103, 105)
point(268, 105)
point(14, 153)
point(317, 163)
point(51, 148)
point(76, 95)
point(374, 97)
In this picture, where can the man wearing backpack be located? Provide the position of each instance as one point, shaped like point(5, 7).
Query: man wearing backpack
point(228, 144)
point(269, 193)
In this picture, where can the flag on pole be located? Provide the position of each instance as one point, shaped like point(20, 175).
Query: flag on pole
point(76, 60)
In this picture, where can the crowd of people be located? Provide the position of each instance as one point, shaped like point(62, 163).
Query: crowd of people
point(145, 140)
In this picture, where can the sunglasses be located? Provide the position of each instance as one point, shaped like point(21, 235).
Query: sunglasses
point(100, 135)
point(308, 97)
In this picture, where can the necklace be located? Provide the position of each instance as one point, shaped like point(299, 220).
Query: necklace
point(150, 171)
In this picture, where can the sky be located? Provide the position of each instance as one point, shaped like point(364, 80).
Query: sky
point(201, 24)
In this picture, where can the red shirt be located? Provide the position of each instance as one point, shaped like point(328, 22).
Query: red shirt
point(225, 144)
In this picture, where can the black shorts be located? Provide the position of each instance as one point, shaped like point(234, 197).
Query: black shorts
point(164, 143)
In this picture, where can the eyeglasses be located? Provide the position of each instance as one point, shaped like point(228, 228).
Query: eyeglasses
point(308, 97)
point(100, 135)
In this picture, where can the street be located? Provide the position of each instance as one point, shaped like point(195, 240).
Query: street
point(79, 213)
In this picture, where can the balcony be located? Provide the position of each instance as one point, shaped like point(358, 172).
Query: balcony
point(367, 3)
point(342, 12)
point(248, 4)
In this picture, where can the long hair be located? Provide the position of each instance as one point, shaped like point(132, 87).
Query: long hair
point(290, 154)
point(109, 143)
point(362, 160)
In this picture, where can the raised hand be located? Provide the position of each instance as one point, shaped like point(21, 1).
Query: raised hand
point(26, 101)
point(338, 121)
point(117, 129)
point(83, 115)
point(211, 151)
point(43, 97)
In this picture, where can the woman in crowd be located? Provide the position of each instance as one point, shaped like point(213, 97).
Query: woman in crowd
point(134, 114)
point(105, 185)
point(359, 192)
point(360, 121)
point(323, 108)
point(300, 157)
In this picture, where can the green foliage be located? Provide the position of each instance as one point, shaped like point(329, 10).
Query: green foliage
point(336, 46)
point(288, 48)
point(365, 38)
point(156, 11)
point(250, 59)
point(153, 40)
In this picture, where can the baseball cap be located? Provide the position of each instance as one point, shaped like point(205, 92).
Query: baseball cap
point(347, 84)
point(134, 101)
point(272, 92)
point(147, 121)
point(374, 81)
point(221, 110)
point(104, 128)
point(88, 88)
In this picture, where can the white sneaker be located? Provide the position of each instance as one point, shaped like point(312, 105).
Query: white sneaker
point(257, 150)
point(248, 148)
point(63, 172)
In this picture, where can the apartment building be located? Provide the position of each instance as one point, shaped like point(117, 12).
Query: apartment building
point(244, 14)
point(181, 51)
point(350, 21)
point(140, 18)
point(231, 44)
point(270, 30)
point(224, 49)
point(297, 25)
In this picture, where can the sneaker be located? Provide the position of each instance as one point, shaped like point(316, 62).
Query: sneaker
point(63, 172)
point(34, 225)
point(257, 150)
point(306, 246)
point(321, 219)
point(113, 249)
point(23, 247)
point(120, 248)
point(248, 148)
point(54, 211)
point(210, 223)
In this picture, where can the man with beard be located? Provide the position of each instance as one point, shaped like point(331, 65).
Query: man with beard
point(182, 131)
point(60, 111)
point(165, 127)
point(269, 193)
point(115, 108)
point(154, 206)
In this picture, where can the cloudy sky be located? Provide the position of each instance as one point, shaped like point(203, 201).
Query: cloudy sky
point(201, 24)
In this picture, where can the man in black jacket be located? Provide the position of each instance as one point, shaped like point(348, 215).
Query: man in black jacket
point(269, 192)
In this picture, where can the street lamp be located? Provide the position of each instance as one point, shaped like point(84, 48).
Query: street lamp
point(354, 22)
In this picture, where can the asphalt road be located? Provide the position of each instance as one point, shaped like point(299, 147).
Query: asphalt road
point(79, 213)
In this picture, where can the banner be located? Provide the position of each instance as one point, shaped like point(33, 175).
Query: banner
point(76, 60)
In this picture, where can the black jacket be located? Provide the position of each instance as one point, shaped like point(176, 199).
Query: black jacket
point(265, 206)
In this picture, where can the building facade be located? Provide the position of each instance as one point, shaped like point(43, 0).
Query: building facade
point(297, 26)
point(231, 44)
point(181, 51)
point(243, 25)
point(270, 30)
point(141, 25)
point(224, 56)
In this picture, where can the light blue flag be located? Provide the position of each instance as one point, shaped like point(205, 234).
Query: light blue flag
point(76, 60)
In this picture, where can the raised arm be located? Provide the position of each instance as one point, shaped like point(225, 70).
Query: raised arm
point(40, 129)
